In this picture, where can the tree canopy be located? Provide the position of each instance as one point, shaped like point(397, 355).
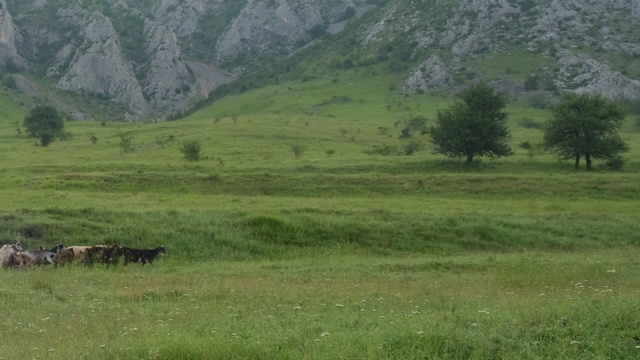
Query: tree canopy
point(474, 127)
point(584, 125)
point(44, 122)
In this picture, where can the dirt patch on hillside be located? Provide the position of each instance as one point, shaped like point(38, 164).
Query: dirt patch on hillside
point(208, 77)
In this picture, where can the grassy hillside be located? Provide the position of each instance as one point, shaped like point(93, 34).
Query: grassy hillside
point(342, 251)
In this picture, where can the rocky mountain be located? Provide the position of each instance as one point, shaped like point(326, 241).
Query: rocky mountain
point(587, 45)
point(155, 58)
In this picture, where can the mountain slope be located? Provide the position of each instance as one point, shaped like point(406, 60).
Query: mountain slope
point(158, 58)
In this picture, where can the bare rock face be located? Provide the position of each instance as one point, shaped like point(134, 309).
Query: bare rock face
point(562, 30)
point(582, 74)
point(275, 27)
point(8, 35)
point(181, 16)
point(429, 75)
point(167, 82)
point(98, 67)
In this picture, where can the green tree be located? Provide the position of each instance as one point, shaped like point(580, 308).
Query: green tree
point(585, 125)
point(44, 122)
point(474, 127)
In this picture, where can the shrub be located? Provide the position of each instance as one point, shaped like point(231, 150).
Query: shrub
point(529, 123)
point(126, 142)
point(538, 101)
point(384, 150)
point(532, 83)
point(191, 150)
point(616, 163)
point(412, 147)
point(297, 150)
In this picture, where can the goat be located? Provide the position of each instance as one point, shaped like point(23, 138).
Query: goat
point(7, 251)
point(20, 259)
point(80, 253)
point(111, 254)
point(44, 257)
point(93, 253)
point(105, 254)
point(141, 255)
point(63, 256)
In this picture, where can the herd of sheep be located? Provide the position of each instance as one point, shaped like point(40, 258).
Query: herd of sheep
point(13, 255)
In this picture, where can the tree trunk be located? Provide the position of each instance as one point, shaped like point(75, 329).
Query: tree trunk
point(469, 158)
point(577, 166)
point(588, 160)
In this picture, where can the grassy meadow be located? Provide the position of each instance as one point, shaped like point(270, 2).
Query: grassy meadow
point(295, 236)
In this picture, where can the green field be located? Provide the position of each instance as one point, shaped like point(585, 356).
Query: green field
point(337, 253)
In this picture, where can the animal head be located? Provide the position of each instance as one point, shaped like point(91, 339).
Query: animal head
point(17, 246)
point(161, 249)
point(57, 248)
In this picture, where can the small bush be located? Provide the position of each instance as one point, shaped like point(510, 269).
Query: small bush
point(526, 145)
point(126, 142)
point(297, 150)
point(412, 147)
point(384, 150)
point(529, 123)
point(532, 83)
point(615, 163)
point(191, 150)
point(538, 101)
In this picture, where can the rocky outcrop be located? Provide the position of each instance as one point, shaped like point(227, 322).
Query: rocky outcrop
point(275, 27)
point(181, 16)
point(429, 75)
point(8, 34)
point(97, 65)
point(555, 29)
point(582, 74)
point(167, 81)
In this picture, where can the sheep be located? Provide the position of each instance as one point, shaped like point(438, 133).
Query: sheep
point(6, 252)
point(141, 255)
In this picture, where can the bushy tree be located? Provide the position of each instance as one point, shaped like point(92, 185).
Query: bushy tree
point(191, 150)
point(44, 122)
point(584, 125)
point(415, 124)
point(474, 127)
